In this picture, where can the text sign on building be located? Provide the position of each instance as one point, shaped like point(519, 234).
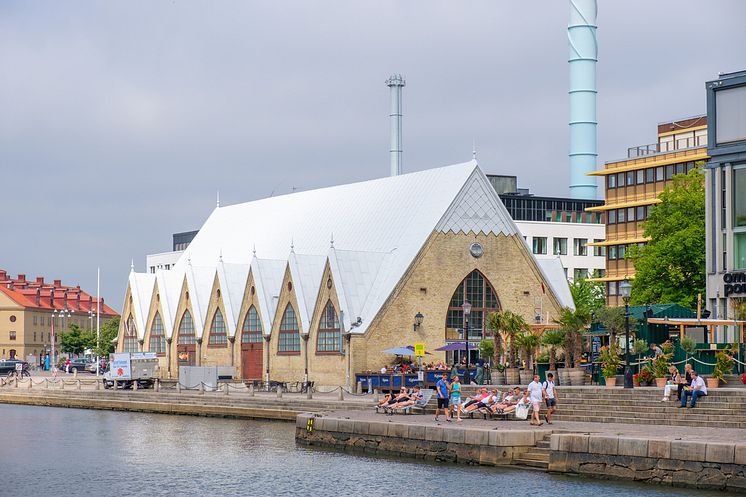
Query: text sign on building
point(419, 349)
point(735, 283)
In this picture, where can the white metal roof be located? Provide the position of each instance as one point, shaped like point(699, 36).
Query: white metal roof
point(370, 232)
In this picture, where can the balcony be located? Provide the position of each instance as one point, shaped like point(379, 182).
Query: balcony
point(643, 150)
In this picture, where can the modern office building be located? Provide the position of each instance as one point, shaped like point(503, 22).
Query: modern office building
point(166, 260)
point(725, 187)
point(555, 227)
point(32, 310)
point(632, 187)
point(317, 285)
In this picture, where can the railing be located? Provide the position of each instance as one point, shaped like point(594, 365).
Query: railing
point(643, 150)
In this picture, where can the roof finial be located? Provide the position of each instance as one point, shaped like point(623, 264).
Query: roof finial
point(292, 245)
point(132, 266)
point(218, 204)
point(473, 149)
point(254, 250)
point(220, 256)
point(332, 240)
point(189, 259)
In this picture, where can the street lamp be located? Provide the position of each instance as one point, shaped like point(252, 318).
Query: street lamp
point(61, 313)
point(625, 289)
point(466, 306)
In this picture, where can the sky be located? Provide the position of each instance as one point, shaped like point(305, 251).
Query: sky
point(121, 120)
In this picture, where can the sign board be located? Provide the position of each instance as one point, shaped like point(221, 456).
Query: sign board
point(419, 349)
point(144, 355)
point(595, 348)
point(19, 366)
point(120, 367)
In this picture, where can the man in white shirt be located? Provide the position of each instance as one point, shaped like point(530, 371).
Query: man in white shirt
point(698, 389)
point(536, 396)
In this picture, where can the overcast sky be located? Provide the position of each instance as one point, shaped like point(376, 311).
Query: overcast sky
point(119, 120)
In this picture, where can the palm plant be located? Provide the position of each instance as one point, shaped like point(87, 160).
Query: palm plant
point(573, 323)
point(528, 342)
point(554, 339)
point(507, 325)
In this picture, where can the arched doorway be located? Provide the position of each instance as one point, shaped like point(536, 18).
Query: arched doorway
point(479, 292)
point(186, 342)
point(251, 346)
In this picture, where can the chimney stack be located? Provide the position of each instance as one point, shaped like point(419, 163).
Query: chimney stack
point(581, 35)
point(57, 283)
point(396, 83)
point(21, 277)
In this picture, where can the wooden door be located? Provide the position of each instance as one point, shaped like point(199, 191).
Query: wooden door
point(252, 356)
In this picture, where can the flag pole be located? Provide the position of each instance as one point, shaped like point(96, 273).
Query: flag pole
point(98, 318)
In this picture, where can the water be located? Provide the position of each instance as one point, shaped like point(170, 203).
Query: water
point(50, 451)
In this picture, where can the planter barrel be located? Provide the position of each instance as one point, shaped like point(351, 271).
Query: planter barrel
point(512, 376)
point(526, 376)
point(611, 382)
point(713, 383)
point(563, 377)
point(498, 377)
point(577, 377)
point(660, 382)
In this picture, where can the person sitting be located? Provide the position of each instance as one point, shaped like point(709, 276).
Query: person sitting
point(392, 398)
point(698, 389)
point(473, 399)
point(673, 383)
point(685, 381)
point(410, 401)
point(508, 403)
point(484, 403)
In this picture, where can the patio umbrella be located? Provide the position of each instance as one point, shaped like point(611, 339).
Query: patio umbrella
point(453, 346)
point(400, 351)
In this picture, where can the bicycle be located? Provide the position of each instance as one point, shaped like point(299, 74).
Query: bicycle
point(24, 373)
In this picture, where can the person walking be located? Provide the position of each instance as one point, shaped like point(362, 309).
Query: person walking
point(441, 388)
point(535, 396)
point(456, 398)
point(698, 389)
point(549, 397)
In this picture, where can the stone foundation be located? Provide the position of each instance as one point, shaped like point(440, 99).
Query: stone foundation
point(695, 464)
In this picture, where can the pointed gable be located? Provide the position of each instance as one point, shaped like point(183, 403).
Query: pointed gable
point(355, 274)
point(141, 291)
point(232, 279)
point(169, 289)
point(199, 282)
point(268, 275)
point(306, 272)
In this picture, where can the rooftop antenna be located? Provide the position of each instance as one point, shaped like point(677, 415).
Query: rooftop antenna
point(218, 206)
point(332, 241)
point(395, 83)
point(253, 251)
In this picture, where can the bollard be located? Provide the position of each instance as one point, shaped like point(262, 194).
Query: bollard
point(98, 385)
point(377, 393)
point(309, 392)
point(134, 385)
point(16, 382)
point(178, 387)
point(226, 388)
point(62, 384)
point(46, 383)
point(359, 388)
point(279, 391)
point(30, 383)
point(116, 384)
point(75, 374)
point(157, 385)
point(201, 389)
point(341, 393)
point(251, 390)
point(77, 384)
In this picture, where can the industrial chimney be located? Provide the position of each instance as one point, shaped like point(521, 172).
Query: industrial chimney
point(581, 34)
point(395, 83)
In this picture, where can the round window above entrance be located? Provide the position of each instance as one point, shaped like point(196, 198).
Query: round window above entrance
point(476, 250)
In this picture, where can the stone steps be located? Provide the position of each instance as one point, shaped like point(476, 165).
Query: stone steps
point(535, 457)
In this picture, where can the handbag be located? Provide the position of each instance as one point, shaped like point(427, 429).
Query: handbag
point(521, 411)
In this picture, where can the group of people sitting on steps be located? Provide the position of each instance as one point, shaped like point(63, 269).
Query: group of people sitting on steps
point(690, 385)
point(395, 401)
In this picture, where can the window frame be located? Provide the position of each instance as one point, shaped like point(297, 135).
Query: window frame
point(157, 335)
point(252, 327)
point(288, 332)
point(219, 339)
point(329, 333)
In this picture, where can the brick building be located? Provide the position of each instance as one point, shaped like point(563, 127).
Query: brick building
point(27, 314)
point(317, 284)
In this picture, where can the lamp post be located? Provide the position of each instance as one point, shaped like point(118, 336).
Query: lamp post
point(61, 313)
point(625, 289)
point(466, 306)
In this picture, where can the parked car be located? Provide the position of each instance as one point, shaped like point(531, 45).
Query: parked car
point(9, 366)
point(91, 367)
point(80, 365)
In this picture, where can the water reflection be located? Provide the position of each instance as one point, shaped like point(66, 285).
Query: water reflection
point(51, 451)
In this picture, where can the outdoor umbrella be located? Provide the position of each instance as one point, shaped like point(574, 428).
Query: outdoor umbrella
point(453, 346)
point(400, 351)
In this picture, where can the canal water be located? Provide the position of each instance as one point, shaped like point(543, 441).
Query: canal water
point(49, 451)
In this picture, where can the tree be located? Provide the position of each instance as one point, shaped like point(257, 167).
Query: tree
point(670, 268)
point(528, 342)
point(109, 331)
point(507, 325)
point(588, 297)
point(612, 319)
point(572, 323)
point(75, 341)
point(553, 339)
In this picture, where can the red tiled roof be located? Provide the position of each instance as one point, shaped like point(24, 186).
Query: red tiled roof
point(24, 292)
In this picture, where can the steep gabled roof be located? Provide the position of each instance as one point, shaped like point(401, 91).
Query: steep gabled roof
point(141, 289)
point(232, 278)
point(306, 271)
point(169, 289)
point(268, 276)
point(199, 283)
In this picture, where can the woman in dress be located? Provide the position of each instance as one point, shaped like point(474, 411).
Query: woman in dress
point(455, 390)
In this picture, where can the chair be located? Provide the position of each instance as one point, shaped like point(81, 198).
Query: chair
point(418, 406)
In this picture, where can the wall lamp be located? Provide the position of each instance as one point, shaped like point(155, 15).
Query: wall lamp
point(418, 321)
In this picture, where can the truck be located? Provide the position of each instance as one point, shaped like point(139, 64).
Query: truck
point(126, 368)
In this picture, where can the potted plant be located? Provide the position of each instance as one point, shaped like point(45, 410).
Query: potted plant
point(553, 339)
point(509, 326)
point(527, 343)
point(723, 366)
point(646, 376)
point(610, 362)
point(743, 378)
point(636, 380)
point(689, 346)
point(660, 366)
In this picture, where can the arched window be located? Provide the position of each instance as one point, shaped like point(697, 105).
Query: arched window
point(186, 330)
point(330, 335)
point(479, 292)
point(289, 337)
point(251, 332)
point(157, 337)
point(218, 337)
point(130, 336)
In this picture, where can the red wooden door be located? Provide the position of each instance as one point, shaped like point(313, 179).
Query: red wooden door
point(251, 361)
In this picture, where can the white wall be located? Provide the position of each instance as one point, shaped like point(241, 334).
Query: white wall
point(164, 260)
